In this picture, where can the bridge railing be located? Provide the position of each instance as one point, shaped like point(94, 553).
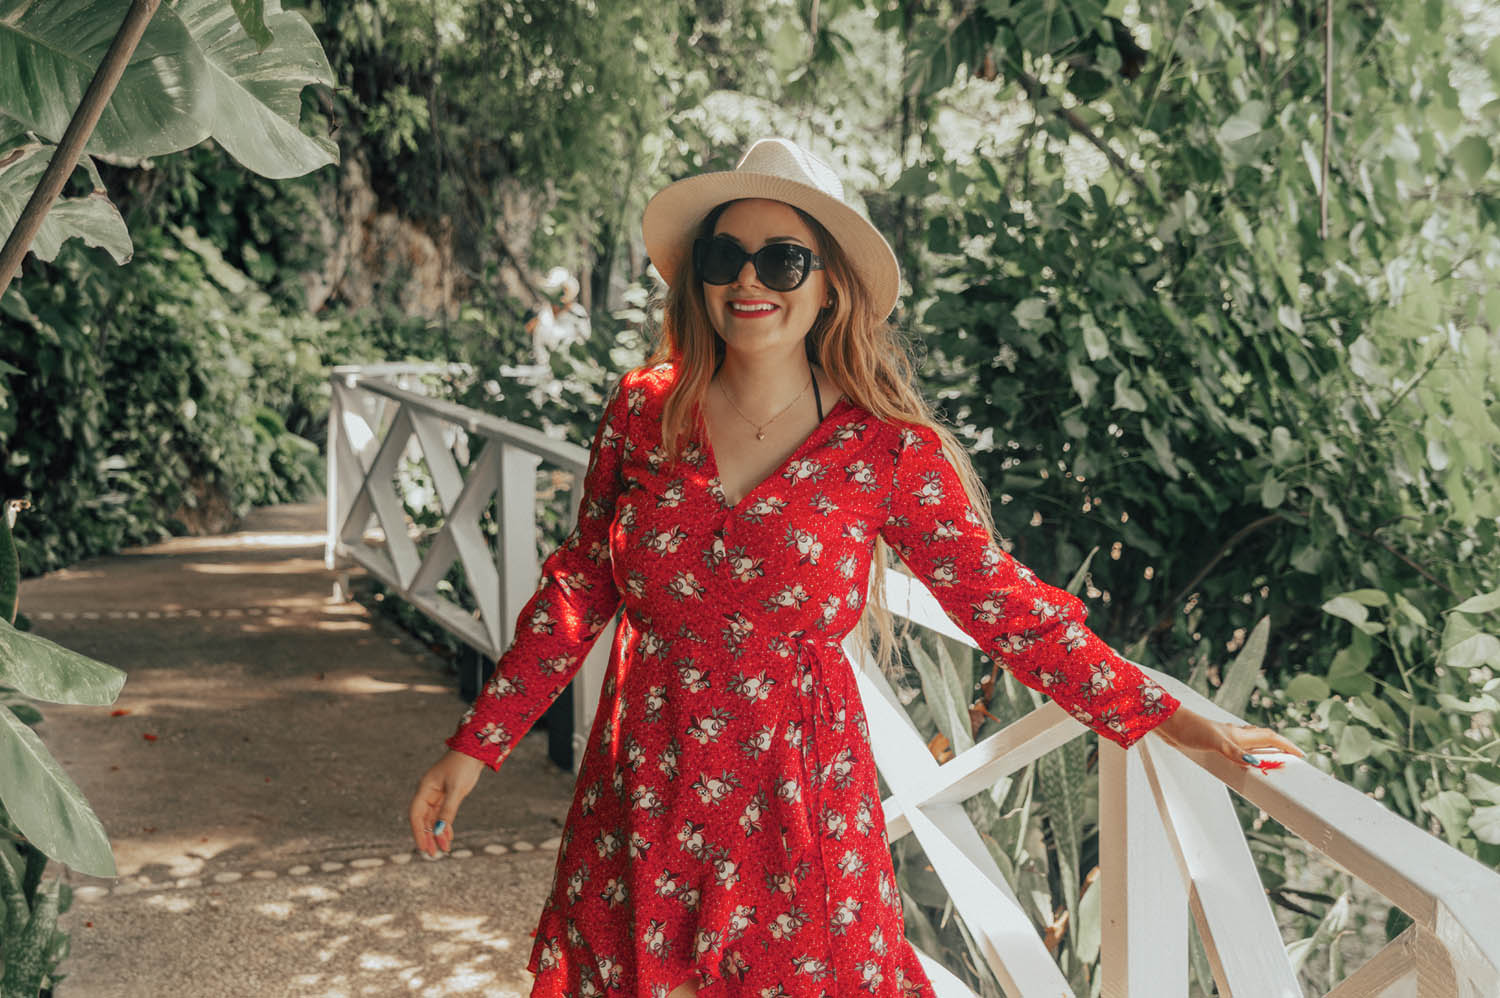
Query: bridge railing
point(379, 421)
point(1171, 846)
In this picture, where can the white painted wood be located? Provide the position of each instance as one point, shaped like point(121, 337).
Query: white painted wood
point(1390, 973)
point(1143, 944)
point(943, 980)
point(516, 548)
point(1001, 928)
point(1225, 895)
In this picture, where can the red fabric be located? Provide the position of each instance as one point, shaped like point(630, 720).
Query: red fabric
point(727, 818)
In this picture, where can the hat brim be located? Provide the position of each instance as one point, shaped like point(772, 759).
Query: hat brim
point(672, 218)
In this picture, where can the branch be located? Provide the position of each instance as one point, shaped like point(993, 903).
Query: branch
point(1327, 114)
point(1165, 623)
point(75, 137)
point(1035, 90)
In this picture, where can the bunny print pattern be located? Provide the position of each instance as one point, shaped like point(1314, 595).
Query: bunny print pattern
point(727, 824)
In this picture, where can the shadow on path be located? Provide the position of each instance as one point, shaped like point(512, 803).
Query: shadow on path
point(260, 835)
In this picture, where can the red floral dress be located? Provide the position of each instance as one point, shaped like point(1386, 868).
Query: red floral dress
point(727, 820)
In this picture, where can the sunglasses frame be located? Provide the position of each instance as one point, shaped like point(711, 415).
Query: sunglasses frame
point(811, 261)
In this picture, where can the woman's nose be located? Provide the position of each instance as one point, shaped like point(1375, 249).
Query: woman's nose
point(754, 277)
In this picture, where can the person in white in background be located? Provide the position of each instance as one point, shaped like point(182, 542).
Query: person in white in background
point(559, 321)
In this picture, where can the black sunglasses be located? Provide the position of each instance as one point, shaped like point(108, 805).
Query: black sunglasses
point(780, 266)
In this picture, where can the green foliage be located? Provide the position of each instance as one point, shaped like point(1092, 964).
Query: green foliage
point(203, 392)
point(42, 812)
point(1159, 355)
point(195, 74)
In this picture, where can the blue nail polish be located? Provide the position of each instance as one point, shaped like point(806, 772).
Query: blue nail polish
point(437, 829)
point(1250, 758)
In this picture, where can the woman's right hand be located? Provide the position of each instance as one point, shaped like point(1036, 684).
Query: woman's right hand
point(438, 795)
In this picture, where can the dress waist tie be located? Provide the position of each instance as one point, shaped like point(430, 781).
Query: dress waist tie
point(830, 695)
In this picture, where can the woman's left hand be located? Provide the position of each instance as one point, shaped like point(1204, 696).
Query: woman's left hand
point(1189, 730)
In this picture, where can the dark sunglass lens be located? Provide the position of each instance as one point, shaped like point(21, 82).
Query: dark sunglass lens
point(722, 261)
point(782, 266)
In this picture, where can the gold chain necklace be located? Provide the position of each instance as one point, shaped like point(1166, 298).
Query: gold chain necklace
point(760, 432)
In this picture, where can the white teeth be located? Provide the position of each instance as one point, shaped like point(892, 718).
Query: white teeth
point(752, 308)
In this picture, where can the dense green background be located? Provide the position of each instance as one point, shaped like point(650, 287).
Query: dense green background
point(1120, 290)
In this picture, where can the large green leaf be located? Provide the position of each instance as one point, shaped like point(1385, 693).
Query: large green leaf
point(46, 806)
point(258, 93)
point(46, 671)
point(1239, 679)
point(938, 688)
point(93, 218)
point(49, 50)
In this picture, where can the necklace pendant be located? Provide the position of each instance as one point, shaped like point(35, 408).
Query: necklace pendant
point(760, 435)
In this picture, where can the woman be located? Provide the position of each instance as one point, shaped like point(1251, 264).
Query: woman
point(726, 832)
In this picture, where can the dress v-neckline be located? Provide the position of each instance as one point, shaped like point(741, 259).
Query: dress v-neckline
point(776, 472)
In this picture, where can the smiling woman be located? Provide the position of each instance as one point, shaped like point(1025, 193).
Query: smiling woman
point(743, 492)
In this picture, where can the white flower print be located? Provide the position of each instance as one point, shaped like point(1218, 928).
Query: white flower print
point(792, 596)
point(811, 966)
point(707, 729)
point(692, 678)
point(944, 571)
point(750, 819)
point(685, 585)
point(1101, 676)
point(672, 495)
point(851, 863)
point(745, 567)
point(715, 789)
point(764, 507)
point(788, 922)
point(654, 938)
point(804, 469)
point(864, 815)
point(615, 892)
point(805, 543)
point(608, 843)
point(666, 541)
point(670, 756)
point(759, 741)
point(861, 474)
point(844, 914)
point(753, 688)
point(726, 871)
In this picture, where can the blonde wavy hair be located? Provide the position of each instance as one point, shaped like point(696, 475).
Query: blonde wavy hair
point(862, 352)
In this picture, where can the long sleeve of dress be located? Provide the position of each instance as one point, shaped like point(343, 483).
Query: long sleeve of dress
point(1034, 630)
point(574, 601)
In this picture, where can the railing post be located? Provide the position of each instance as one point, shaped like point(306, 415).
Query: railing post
point(1143, 942)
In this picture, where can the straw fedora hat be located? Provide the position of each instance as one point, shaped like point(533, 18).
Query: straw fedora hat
point(780, 170)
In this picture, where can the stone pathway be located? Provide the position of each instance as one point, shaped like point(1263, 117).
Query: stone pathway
point(255, 785)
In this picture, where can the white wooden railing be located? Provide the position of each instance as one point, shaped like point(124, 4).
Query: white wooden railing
point(1171, 844)
point(378, 420)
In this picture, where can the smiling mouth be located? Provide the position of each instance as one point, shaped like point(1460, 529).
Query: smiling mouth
point(751, 309)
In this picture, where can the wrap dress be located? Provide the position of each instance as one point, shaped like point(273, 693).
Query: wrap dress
point(727, 825)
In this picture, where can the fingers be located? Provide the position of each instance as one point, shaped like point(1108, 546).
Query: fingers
point(423, 814)
point(1246, 740)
